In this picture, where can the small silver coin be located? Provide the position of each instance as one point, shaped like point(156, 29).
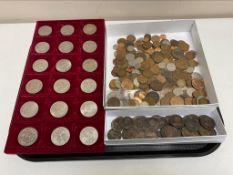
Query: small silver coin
point(63, 65)
point(40, 65)
point(89, 46)
point(59, 109)
point(29, 109)
point(88, 109)
point(89, 135)
point(34, 86)
point(60, 136)
point(89, 29)
point(90, 65)
point(88, 85)
point(27, 136)
point(61, 86)
point(67, 30)
point(66, 47)
point(171, 67)
point(45, 30)
point(42, 47)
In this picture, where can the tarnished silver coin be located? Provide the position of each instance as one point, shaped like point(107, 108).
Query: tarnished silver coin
point(29, 109)
point(63, 65)
point(60, 136)
point(67, 30)
point(34, 86)
point(59, 109)
point(40, 65)
point(45, 30)
point(90, 65)
point(89, 135)
point(27, 136)
point(88, 109)
point(42, 47)
point(61, 86)
point(88, 85)
point(89, 29)
point(66, 47)
point(89, 46)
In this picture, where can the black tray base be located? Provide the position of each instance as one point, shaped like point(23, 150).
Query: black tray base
point(133, 152)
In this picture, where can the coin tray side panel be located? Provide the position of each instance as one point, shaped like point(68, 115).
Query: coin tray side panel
point(210, 111)
point(74, 121)
point(178, 29)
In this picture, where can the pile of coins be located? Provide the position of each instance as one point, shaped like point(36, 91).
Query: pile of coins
point(59, 90)
point(141, 127)
point(154, 70)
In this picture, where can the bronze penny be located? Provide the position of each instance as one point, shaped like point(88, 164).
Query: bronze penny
point(176, 121)
point(121, 40)
point(154, 122)
point(187, 133)
point(151, 133)
point(206, 132)
point(176, 100)
point(169, 131)
point(198, 93)
point(140, 133)
point(192, 63)
point(190, 54)
point(128, 133)
point(140, 122)
point(181, 64)
point(207, 122)
point(127, 84)
point(183, 45)
point(155, 69)
point(157, 57)
point(156, 85)
point(140, 94)
point(147, 73)
point(131, 38)
point(191, 122)
point(177, 53)
point(174, 42)
point(203, 101)
point(118, 123)
point(142, 79)
point(128, 122)
point(152, 98)
point(144, 87)
point(155, 38)
point(147, 38)
point(113, 101)
point(188, 101)
point(198, 84)
point(114, 134)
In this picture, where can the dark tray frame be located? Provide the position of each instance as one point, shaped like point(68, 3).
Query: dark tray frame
point(134, 152)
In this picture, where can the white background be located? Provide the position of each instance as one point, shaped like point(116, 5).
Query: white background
point(217, 39)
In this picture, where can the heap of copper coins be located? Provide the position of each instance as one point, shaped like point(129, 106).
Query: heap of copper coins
point(157, 126)
point(154, 70)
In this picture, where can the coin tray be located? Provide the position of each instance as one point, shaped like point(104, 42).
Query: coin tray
point(74, 97)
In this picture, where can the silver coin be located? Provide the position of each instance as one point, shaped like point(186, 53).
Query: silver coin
point(162, 65)
point(40, 65)
point(34, 86)
point(61, 86)
point(88, 85)
point(45, 30)
point(63, 65)
point(190, 91)
point(89, 46)
point(89, 135)
point(27, 136)
point(171, 67)
point(29, 109)
point(59, 109)
point(60, 136)
point(88, 109)
point(178, 91)
point(196, 75)
point(90, 65)
point(89, 29)
point(42, 47)
point(190, 69)
point(67, 30)
point(66, 47)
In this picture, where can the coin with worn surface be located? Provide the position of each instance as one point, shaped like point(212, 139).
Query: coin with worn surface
point(45, 30)
point(176, 121)
point(40, 65)
point(156, 85)
point(89, 109)
point(177, 100)
point(90, 65)
point(67, 30)
point(63, 65)
point(129, 133)
point(187, 133)
point(206, 132)
point(42, 47)
point(118, 123)
point(66, 47)
point(34, 86)
point(89, 46)
point(169, 131)
point(152, 98)
point(178, 53)
point(59, 109)
point(171, 67)
point(127, 84)
point(89, 135)
point(114, 134)
point(89, 29)
point(198, 84)
point(113, 101)
point(191, 122)
point(60, 136)
point(27, 136)
point(29, 109)
point(88, 85)
point(61, 86)
point(207, 122)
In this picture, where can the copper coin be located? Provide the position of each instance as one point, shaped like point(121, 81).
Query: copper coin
point(114, 134)
point(128, 122)
point(118, 123)
point(128, 133)
point(183, 45)
point(206, 132)
point(198, 84)
point(113, 101)
point(191, 122)
point(169, 131)
point(176, 121)
point(152, 98)
point(127, 84)
point(156, 85)
point(207, 122)
point(187, 133)
point(190, 54)
point(176, 100)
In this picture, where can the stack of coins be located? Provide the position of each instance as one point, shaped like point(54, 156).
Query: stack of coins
point(56, 100)
point(141, 127)
point(161, 69)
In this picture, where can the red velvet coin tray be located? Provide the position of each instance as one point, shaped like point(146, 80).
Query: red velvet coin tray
point(74, 121)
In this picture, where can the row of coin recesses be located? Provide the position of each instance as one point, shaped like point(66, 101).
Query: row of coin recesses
point(55, 108)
